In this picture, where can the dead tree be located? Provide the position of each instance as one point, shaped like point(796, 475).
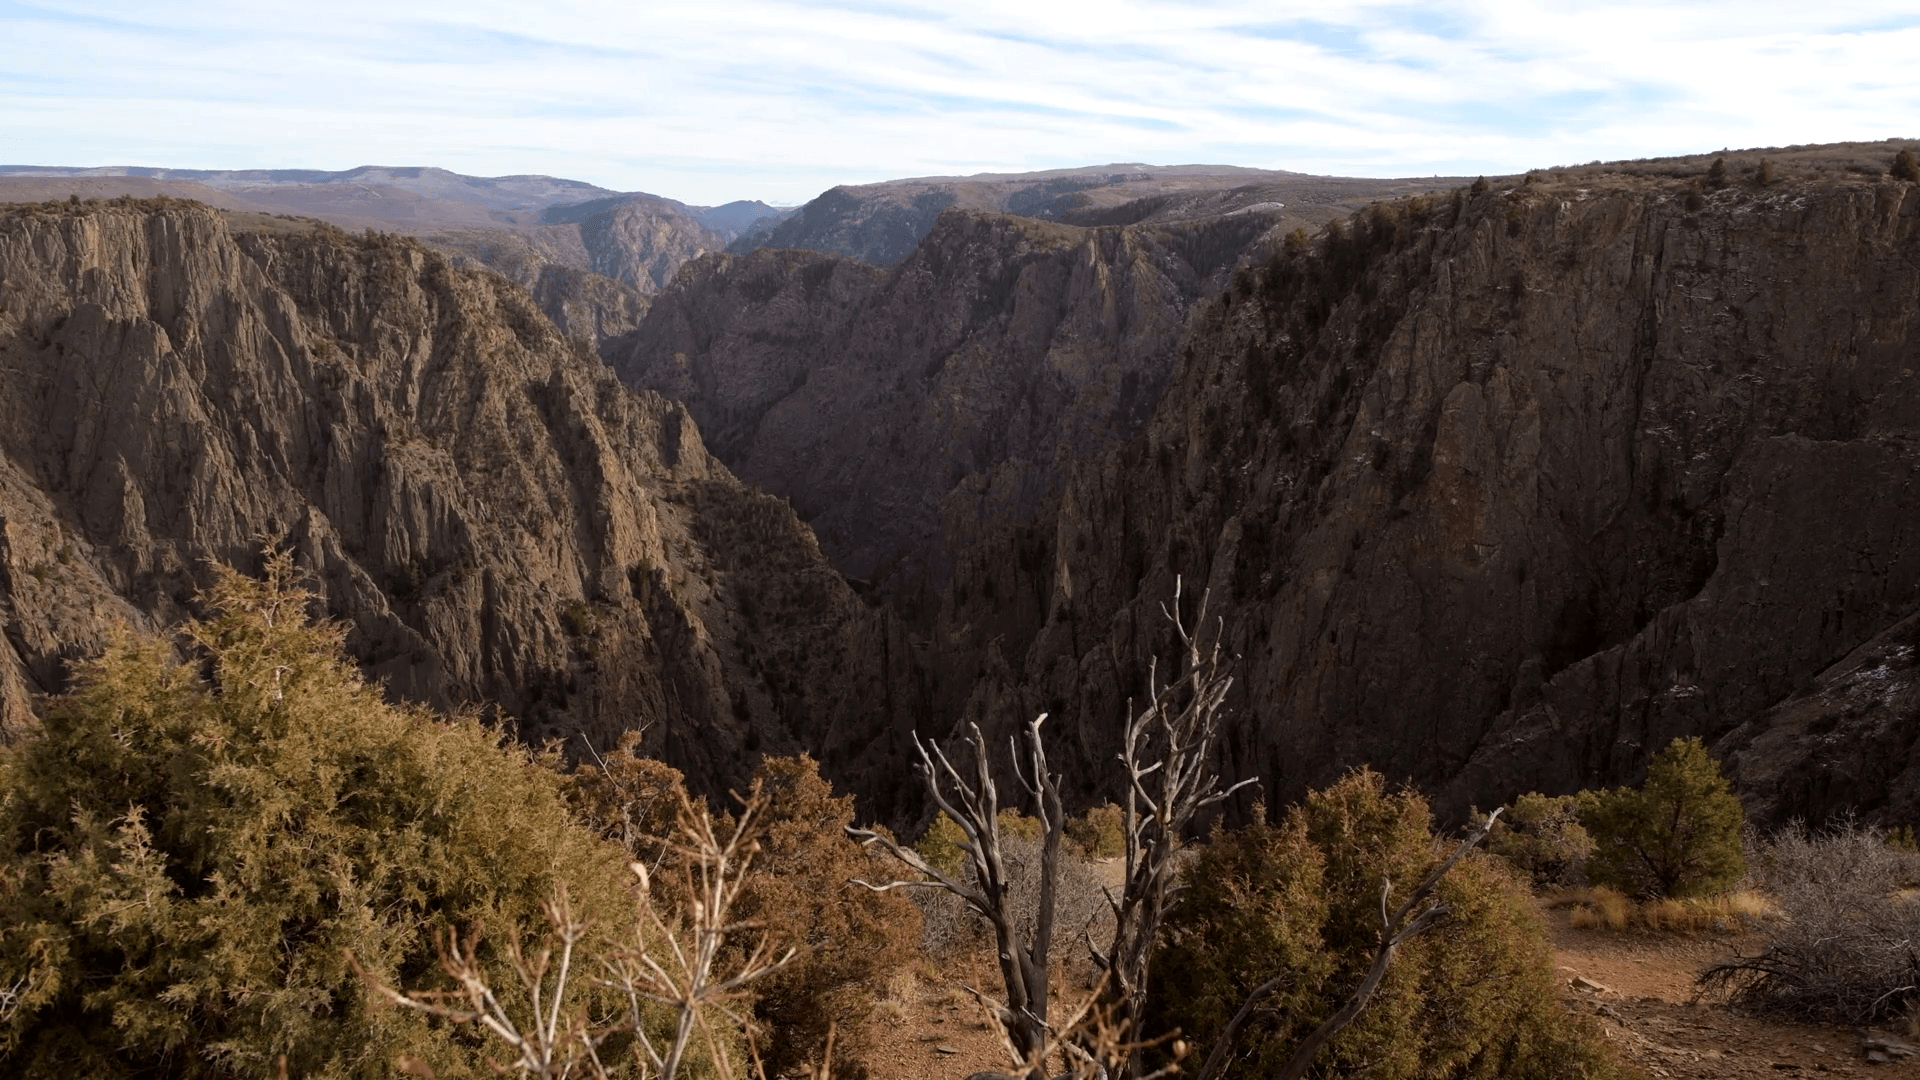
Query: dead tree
point(1024, 952)
point(1170, 752)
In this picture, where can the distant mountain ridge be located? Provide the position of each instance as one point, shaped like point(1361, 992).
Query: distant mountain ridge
point(592, 256)
point(883, 223)
point(524, 192)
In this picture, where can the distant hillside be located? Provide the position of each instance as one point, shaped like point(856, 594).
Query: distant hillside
point(882, 223)
point(543, 232)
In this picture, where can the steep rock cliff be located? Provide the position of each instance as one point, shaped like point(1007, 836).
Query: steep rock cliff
point(1501, 493)
point(945, 394)
point(498, 520)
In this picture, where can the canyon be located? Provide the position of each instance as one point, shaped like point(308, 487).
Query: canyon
point(1496, 487)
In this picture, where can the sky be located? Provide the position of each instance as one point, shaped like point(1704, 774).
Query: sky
point(729, 99)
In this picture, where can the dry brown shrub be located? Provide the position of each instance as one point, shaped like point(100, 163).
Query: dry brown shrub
point(950, 928)
point(1845, 948)
point(632, 799)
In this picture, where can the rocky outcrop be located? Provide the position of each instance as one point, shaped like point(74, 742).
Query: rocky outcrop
point(878, 227)
point(550, 262)
point(946, 394)
point(593, 266)
point(1502, 492)
point(500, 522)
point(640, 241)
point(733, 337)
point(1842, 744)
point(586, 305)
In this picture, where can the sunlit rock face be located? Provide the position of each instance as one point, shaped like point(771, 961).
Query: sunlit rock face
point(501, 523)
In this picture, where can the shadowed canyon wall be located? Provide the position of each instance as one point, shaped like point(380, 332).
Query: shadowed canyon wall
point(1502, 492)
point(1497, 491)
point(942, 397)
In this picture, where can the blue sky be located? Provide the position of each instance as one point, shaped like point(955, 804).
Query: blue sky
point(714, 101)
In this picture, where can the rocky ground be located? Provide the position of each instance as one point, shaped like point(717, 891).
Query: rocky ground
point(1641, 986)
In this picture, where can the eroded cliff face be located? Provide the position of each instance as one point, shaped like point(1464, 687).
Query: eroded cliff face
point(942, 397)
point(498, 519)
point(1502, 493)
point(592, 267)
point(550, 262)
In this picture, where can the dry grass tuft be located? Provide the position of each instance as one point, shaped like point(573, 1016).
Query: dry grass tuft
point(1602, 908)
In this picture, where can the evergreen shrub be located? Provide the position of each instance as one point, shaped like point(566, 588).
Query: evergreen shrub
point(1677, 835)
point(192, 848)
point(1100, 833)
point(1540, 836)
point(1474, 997)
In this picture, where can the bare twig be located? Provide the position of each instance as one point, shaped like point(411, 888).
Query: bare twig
point(547, 1041)
point(677, 959)
point(686, 973)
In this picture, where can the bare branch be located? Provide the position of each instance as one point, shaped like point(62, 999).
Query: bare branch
point(690, 961)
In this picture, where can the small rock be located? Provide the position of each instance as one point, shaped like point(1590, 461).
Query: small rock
point(1889, 1045)
point(946, 1050)
point(1586, 985)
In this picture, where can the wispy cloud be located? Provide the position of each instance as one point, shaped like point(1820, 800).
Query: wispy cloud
point(778, 100)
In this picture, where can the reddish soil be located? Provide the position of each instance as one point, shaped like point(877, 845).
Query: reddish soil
point(1649, 1011)
point(943, 1032)
point(1646, 1007)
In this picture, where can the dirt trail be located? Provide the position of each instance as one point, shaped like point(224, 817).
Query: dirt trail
point(1645, 1004)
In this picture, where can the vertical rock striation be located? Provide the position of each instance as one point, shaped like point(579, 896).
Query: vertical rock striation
point(499, 521)
point(1503, 492)
point(942, 397)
